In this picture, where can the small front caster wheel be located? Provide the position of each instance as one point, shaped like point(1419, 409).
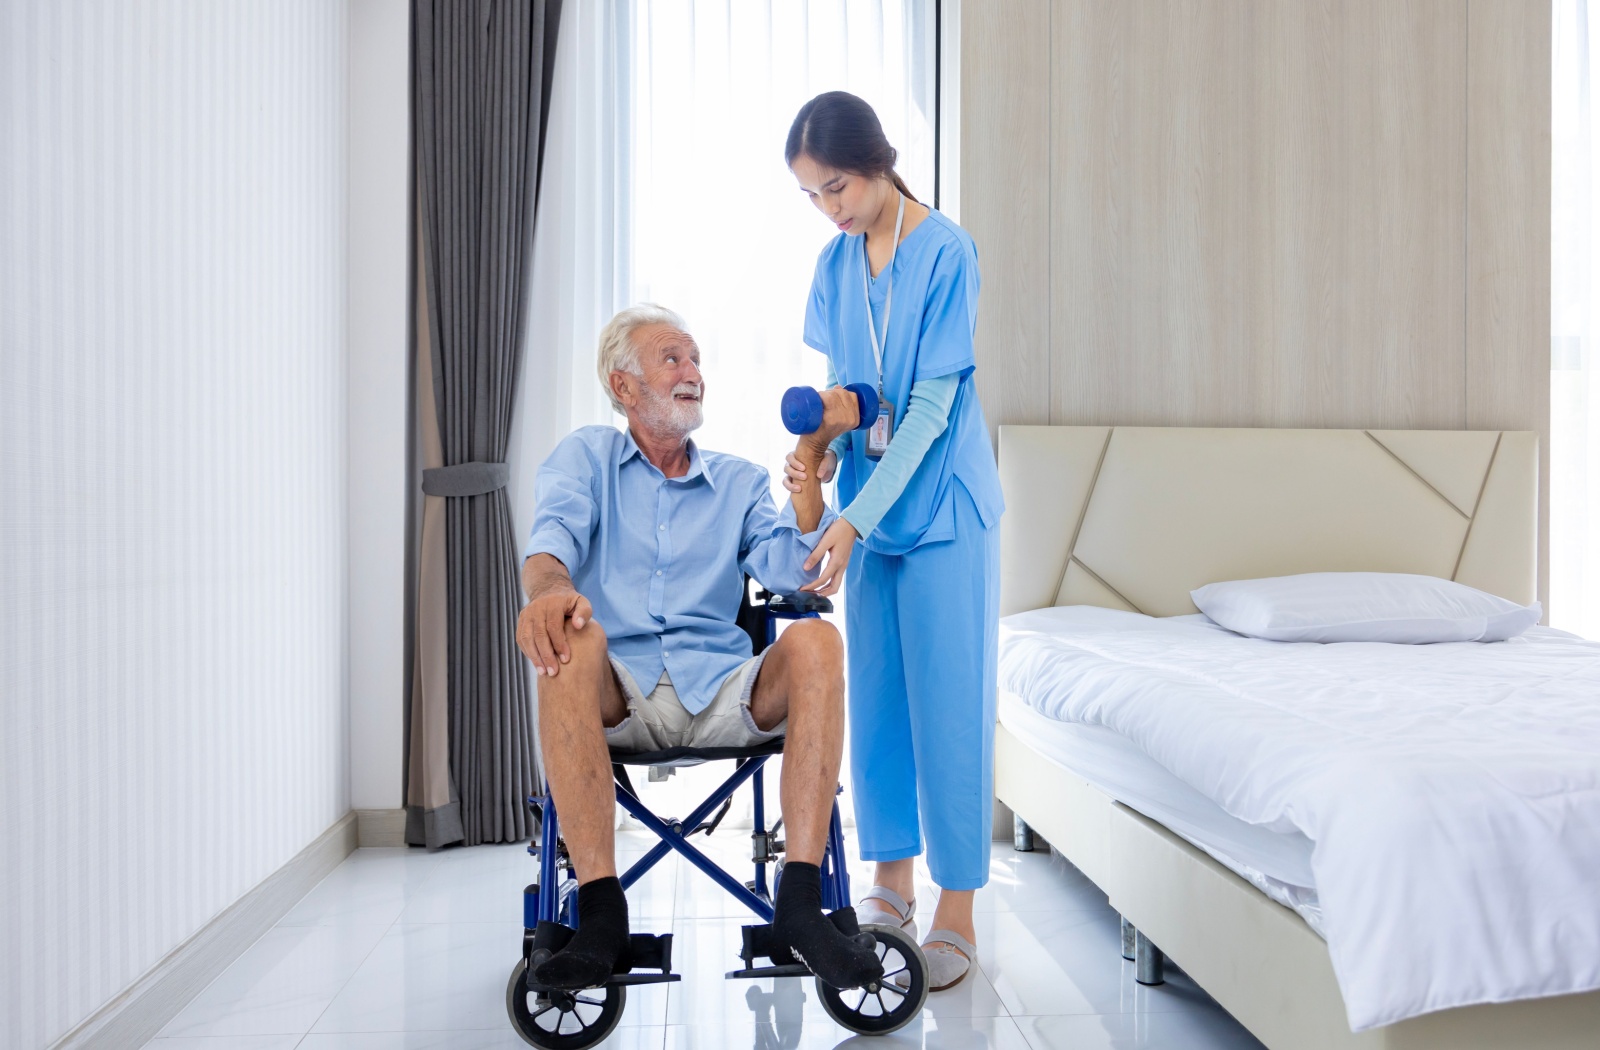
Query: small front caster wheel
point(895, 1000)
point(562, 1020)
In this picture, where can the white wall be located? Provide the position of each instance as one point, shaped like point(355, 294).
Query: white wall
point(172, 476)
point(380, 129)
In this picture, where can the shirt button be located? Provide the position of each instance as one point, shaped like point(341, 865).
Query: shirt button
point(665, 655)
point(663, 528)
point(658, 572)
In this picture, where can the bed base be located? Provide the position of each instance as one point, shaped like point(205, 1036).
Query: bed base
point(1256, 958)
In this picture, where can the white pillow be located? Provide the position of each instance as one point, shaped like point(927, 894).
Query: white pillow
point(1363, 607)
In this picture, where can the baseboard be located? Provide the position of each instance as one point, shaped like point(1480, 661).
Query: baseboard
point(135, 1016)
point(380, 827)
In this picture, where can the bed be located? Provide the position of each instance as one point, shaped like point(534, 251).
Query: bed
point(1109, 527)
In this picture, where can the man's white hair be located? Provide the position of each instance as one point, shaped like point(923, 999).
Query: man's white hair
point(617, 351)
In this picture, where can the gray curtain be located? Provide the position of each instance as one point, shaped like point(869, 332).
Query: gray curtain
point(480, 81)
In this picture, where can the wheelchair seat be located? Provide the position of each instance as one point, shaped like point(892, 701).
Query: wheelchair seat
point(756, 617)
point(694, 756)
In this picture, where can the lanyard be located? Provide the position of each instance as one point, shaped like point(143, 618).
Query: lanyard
point(888, 302)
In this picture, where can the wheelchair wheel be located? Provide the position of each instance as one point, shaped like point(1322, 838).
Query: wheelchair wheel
point(562, 1020)
point(890, 1006)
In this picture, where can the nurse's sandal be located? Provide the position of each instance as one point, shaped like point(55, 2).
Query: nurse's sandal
point(883, 905)
point(950, 958)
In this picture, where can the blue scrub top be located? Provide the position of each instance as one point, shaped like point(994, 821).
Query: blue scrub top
point(934, 315)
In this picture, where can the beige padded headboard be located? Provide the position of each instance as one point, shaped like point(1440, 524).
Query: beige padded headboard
point(1137, 517)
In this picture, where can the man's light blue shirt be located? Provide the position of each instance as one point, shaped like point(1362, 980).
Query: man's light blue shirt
point(662, 560)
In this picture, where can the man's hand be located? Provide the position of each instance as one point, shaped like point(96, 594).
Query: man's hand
point(553, 601)
point(838, 543)
point(841, 411)
point(795, 475)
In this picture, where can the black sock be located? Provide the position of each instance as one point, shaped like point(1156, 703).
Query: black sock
point(798, 922)
point(600, 947)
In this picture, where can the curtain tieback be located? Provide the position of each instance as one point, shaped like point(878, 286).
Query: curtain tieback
point(465, 479)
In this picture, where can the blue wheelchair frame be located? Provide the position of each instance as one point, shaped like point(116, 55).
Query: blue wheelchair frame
point(560, 903)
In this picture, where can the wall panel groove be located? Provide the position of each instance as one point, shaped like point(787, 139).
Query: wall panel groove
point(172, 481)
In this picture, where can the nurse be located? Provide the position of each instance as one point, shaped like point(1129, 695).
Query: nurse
point(894, 304)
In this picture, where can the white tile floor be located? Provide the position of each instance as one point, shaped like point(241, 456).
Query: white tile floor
point(407, 950)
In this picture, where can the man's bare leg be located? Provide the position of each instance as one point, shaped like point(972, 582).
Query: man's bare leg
point(802, 679)
point(575, 705)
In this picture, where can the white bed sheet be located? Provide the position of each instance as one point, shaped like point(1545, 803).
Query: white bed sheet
point(1451, 792)
point(1277, 864)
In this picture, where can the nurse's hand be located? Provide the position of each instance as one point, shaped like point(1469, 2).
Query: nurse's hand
point(838, 543)
point(794, 471)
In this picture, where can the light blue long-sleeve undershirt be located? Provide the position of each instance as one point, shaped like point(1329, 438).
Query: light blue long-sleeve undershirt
point(927, 415)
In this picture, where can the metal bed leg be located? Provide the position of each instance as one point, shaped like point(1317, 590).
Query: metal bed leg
point(1148, 962)
point(1128, 933)
point(1021, 835)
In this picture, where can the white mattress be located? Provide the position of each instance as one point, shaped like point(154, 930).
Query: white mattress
point(1277, 864)
point(1451, 793)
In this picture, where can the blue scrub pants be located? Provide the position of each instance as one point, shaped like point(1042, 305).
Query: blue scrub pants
point(923, 629)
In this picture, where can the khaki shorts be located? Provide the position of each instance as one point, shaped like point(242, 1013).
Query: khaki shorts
point(660, 721)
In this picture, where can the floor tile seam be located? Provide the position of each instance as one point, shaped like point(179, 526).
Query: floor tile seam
point(1173, 1006)
point(404, 899)
point(515, 920)
point(353, 971)
point(438, 870)
point(162, 1033)
point(1064, 910)
point(440, 867)
point(1208, 1006)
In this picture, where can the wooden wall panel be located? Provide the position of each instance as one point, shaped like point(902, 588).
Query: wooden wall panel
point(1257, 213)
point(1005, 158)
point(1329, 213)
point(1508, 227)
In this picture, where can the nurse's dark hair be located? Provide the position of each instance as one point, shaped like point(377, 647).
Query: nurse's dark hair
point(841, 131)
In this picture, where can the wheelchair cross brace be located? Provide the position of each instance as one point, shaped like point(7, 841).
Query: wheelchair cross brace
point(546, 906)
point(676, 836)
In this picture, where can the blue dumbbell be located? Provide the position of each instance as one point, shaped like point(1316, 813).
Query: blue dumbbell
point(802, 407)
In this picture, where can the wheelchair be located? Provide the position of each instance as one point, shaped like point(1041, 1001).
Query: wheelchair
point(556, 1019)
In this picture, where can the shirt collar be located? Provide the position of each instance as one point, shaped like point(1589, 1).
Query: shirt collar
point(697, 469)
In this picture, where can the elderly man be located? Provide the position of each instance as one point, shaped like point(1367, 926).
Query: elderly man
point(634, 575)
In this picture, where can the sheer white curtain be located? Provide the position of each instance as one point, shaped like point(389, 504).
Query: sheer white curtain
point(581, 257)
point(721, 232)
point(664, 180)
point(1574, 361)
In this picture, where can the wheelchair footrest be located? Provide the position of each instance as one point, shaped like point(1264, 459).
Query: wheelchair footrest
point(649, 952)
point(791, 970)
point(645, 978)
point(759, 942)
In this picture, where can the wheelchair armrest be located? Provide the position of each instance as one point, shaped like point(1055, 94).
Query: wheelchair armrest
point(793, 606)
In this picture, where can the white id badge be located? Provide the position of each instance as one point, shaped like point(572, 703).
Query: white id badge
point(882, 430)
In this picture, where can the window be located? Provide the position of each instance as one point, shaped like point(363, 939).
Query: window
point(719, 230)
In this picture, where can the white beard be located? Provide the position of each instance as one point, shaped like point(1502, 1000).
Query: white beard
point(668, 416)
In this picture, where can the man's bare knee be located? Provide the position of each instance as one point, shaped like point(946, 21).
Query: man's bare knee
point(814, 657)
point(814, 644)
point(579, 679)
point(588, 644)
point(587, 681)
